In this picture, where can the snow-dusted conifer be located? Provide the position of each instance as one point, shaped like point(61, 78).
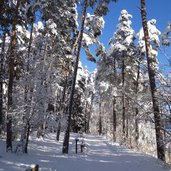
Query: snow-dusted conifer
point(165, 35)
point(122, 48)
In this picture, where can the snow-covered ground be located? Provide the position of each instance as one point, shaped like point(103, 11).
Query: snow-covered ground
point(99, 155)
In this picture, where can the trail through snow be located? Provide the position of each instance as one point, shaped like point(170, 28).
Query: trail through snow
point(99, 155)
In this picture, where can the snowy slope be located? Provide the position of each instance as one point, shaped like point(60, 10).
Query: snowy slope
point(99, 155)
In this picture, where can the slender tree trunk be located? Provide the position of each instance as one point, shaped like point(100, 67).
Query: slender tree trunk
point(114, 119)
point(1, 81)
point(67, 133)
point(89, 114)
point(25, 134)
point(123, 97)
point(127, 121)
point(62, 108)
point(30, 43)
point(100, 118)
point(2, 7)
point(136, 109)
point(11, 80)
point(114, 102)
point(136, 126)
point(58, 131)
point(151, 72)
point(27, 137)
point(85, 117)
point(64, 90)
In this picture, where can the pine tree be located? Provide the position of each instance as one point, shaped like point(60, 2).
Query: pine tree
point(12, 57)
point(123, 50)
point(151, 71)
point(67, 133)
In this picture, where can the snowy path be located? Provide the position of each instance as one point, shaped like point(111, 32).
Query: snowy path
point(100, 155)
point(112, 157)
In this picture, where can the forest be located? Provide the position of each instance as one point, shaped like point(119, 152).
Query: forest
point(45, 88)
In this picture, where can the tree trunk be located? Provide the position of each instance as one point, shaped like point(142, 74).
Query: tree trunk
point(27, 137)
point(62, 108)
point(136, 126)
point(100, 118)
point(127, 122)
point(11, 80)
point(30, 43)
point(136, 109)
point(67, 133)
point(27, 99)
point(85, 117)
point(123, 97)
point(1, 82)
point(151, 72)
point(2, 2)
point(114, 102)
point(89, 113)
point(58, 131)
point(114, 119)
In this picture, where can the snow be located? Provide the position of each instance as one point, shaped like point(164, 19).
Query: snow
point(94, 25)
point(124, 35)
point(153, 34)
point(19, 28)
point(125, 16)
point(104, 85)
point(94, 21)
point(165, 35)
point(52, 26)
point(38, 26)
point(82, 72)
point(99, 155)
point(87, 39)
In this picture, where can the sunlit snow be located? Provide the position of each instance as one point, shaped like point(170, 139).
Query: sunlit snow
point(99, 155)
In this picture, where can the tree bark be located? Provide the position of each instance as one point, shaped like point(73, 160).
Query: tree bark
point(85, 117)
point(2, 2)
point(1, 81)
point(136, 109)
point(127, 121)
point(27, 137)
point(151, 72)
point(123, 97)
point(26, 131)
point(58, 131)
point(67, 133)
point(100, 118)
point(89, 113)
point(114, 119)
point(11, 79)
point(62, 108)
point(114, 101)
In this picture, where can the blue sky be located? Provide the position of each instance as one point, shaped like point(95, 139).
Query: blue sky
point(157, 9)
